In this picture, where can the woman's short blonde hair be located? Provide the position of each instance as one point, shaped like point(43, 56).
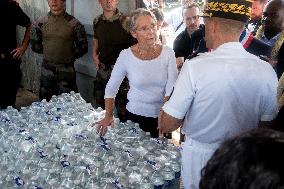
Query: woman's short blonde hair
point(139, 12)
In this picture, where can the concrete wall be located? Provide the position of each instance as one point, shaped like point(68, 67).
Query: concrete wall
point(85, 11)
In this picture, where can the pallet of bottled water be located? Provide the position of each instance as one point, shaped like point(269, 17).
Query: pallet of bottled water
point(52, 145)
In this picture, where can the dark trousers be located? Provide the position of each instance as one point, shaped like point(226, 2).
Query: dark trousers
point(10, 77)
point(56, 79)
point(147, 124)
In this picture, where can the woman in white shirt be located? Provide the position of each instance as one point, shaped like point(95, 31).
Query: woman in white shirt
point(151, 71)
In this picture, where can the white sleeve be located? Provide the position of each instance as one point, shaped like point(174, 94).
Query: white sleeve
point(117, 75)
point(172, 72)
point(183, 94)
point(269, 102)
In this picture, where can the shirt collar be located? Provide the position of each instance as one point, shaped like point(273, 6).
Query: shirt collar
point(59, 15)
point(114, 17)
point(230, 46)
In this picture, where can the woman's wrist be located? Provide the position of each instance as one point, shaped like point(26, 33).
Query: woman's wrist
point(108, 115)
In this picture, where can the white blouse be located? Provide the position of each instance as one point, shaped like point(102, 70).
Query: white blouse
point(150, 80)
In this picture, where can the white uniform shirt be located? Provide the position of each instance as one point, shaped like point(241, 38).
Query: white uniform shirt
point(223, 93)
point(149, 81)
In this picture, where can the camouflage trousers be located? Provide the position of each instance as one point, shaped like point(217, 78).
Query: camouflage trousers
point(56, 79)
point(102, 77)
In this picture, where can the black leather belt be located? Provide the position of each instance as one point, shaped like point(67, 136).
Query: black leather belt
point(54, 67)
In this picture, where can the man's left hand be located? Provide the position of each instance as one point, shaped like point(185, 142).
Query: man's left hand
point(18, 52)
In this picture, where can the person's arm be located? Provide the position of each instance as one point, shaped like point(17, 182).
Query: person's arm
point(168, 123)
point(112, 87)
point(80, 40)
point(174, 110)
point(36, 38)
point(20, 50)
point(178, 48)
point(269, 108)
point(96, 54)
point(179, 62)
point(172, 73)
point(108, 119)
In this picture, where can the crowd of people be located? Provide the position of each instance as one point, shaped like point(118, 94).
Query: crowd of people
point(221, 81)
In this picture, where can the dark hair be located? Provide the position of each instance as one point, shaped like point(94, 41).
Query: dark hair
point(158, 14)
point(249, 161)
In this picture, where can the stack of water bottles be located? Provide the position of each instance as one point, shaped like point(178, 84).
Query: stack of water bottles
point(51, 145)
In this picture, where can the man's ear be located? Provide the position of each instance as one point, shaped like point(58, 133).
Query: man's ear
point(214, 26)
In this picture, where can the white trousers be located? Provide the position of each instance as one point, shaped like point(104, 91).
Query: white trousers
point(194, 157)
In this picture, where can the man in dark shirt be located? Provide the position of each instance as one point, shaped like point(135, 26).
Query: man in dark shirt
point(183, 46)
point(111, 36)
point(11, 15)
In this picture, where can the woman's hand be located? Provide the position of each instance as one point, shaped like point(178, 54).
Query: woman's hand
point(103, 124)
point(108, 119)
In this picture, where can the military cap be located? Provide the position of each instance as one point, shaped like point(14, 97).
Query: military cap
point(230, 9)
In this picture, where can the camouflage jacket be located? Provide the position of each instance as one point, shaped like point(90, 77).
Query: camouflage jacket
point(79, 44)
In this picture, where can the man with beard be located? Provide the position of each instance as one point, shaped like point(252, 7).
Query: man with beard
point(11, 15)
point(175, 18)
point(272, 32)
point(183, 45)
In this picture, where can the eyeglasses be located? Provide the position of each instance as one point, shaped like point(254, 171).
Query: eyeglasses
point(145, 29)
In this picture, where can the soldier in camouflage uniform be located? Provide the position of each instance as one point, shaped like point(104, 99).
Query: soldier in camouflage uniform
point(62, 39)
point(111, 35)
